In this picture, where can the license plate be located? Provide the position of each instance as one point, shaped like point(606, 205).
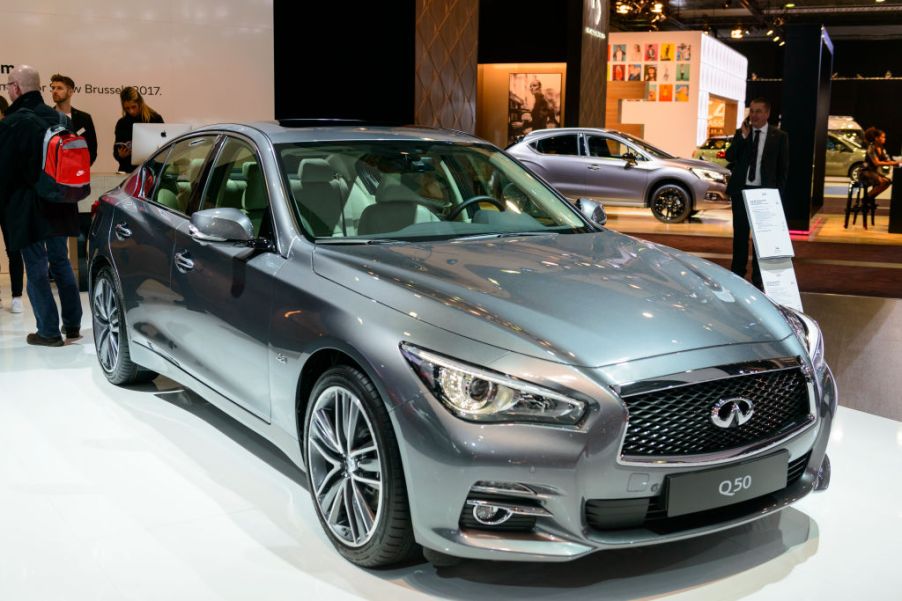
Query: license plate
point(698, 491)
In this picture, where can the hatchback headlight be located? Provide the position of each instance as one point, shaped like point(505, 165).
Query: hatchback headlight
point(709, 175)
point(808, 333)
point(480, 395)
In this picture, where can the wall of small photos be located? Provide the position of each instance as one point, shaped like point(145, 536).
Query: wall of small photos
point(665, 67)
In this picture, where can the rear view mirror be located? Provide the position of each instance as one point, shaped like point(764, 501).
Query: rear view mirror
point(592, 210)
point(221, 225)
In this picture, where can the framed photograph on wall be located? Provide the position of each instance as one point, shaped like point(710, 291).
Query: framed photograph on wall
point(619, 54)
point(683, 72)
point(684, 52)
point(651, 92)
point(665, 92)
point(534, 102)
point(618, 73)
point(666, 52)
point(681, 92)
point(651, 52)
point(634, 53)
point(651, 73)
point(634, 72)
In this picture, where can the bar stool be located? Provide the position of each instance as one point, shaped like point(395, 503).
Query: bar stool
point(857, 201)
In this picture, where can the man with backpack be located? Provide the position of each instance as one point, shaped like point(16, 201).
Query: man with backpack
point(37, 227)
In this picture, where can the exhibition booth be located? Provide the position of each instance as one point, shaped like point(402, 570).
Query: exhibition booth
point(365, 363)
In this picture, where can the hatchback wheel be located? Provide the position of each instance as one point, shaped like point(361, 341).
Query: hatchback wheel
point(670, 203)
point(855, 171)
point(354, 471)
point(110, 336)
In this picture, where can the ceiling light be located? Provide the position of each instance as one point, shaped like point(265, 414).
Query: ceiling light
point(736, 33)
point(789, 5)
point(783, 43)
point(623, 9)
point(879, 1)
point(769, 33)
point(657, 7)
point(776, 38)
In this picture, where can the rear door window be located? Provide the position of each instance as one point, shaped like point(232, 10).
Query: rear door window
point(566, 144)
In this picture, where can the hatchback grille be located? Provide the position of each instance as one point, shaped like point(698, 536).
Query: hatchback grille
point(677, 421)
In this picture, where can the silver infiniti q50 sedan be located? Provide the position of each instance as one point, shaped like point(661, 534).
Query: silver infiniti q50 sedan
point(618, 169)
point(459, 359)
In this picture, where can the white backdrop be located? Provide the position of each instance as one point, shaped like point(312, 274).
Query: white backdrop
point(203, 61)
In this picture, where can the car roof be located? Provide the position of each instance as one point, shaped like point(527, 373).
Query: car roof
point(280, 134)
point(571, 130)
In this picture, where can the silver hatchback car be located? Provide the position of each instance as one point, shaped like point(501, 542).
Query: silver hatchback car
point(619, 169)
point(459, 359)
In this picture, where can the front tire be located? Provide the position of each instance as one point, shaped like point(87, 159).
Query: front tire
point(110, 335)
point(354, 471)
point(671, 203)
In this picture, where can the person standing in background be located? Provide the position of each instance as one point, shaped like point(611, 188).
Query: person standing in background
point(37, 228)
point(16, 269)
point(62, 87)
point(134, 110)
point(759, 155)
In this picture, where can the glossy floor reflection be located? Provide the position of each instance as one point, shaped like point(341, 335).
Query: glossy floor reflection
point(149, 493)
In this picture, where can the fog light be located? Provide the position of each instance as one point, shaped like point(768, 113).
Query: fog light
point(490, 515)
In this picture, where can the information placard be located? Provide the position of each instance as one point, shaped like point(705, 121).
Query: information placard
point(768, 223)
point(780, 283)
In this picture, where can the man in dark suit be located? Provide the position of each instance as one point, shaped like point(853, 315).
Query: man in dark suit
point(759, 158)
point(61, 89)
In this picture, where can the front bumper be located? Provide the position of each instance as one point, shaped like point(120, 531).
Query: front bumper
point(565, 469)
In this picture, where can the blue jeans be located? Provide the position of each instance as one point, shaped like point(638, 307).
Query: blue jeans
point(38, 257)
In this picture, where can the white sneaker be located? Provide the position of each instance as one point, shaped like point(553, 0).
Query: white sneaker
point(16, 306)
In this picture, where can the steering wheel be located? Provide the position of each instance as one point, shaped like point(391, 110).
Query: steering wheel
point(470, 201)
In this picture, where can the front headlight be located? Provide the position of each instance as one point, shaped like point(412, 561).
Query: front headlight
point(709, 175)
point(480, 395)
point(808, 333)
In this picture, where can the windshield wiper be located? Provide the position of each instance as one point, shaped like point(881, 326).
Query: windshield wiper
point(359, 241)
point(503, 235)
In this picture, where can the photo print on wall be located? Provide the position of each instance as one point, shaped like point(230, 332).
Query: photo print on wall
point(619, 54)
point(634, 53)
point(683, 72)
point(617, 73)
point(665, 92)
point(666, 52)
point(534, 102)
point(634, 72)
point(684, 52)
point(651, 52)
point(651, 92)
point(651, 73)
point(681, 92)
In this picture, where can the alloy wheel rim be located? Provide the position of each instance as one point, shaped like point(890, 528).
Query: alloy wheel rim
point(344, 464)
point(670, 203)
point(106, 324)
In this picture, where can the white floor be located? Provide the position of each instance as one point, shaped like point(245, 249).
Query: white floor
point(151, 494)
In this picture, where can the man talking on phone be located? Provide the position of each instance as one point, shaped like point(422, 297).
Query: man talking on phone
point(759, 158)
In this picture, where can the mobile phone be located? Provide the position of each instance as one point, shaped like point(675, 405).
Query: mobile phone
point(747, 122)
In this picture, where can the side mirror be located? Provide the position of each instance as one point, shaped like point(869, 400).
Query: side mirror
point(592, 210)
point(221, 225)
point(630, 159)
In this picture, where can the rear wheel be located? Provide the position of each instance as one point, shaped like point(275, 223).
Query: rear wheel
point(110, 335)
point(671, 203)
point(855, 171)
point(354, 471)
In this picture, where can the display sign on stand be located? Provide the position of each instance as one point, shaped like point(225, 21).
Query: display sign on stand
point(773, 247)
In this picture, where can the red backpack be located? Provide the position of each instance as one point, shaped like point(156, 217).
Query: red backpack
point(66, 163)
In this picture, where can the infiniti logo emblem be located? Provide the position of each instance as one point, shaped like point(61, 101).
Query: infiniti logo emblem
point(732, 412)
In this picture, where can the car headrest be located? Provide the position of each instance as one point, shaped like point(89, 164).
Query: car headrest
point(393, 192)
point(315, 171)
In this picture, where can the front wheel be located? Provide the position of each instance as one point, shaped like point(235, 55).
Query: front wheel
point(671, 203)
point(855, 171)
point(110, 335)
point(354, 471)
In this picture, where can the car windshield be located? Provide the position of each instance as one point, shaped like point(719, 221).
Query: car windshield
point(648, 148)
point(389, 191)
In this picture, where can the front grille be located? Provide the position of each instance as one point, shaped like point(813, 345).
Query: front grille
point(677, 421)
point(651, 512)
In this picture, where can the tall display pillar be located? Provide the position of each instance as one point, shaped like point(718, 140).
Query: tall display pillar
point(807, 68)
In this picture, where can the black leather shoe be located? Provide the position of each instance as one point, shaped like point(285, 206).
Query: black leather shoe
point(72, 333)
point(38, 340)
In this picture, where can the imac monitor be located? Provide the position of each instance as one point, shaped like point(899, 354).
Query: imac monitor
point(147, 137)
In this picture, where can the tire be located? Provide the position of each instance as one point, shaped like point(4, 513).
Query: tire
point(855, 171)
point(362, 471)
point(111, 335)
point(671, 203)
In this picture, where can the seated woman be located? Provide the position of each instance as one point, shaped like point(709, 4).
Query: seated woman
point(134, 110)
point(875, 159)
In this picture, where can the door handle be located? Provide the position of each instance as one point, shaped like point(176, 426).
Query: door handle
point(122, 231)
point(183, 261)
point(594, 167)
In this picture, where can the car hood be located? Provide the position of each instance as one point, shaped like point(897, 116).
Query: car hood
point(687, 163)
point(582, 299)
